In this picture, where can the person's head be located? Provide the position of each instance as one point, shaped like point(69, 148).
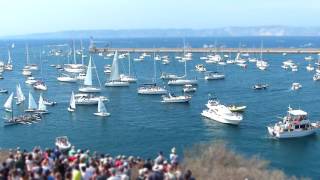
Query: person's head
point(160, 153)
point(187, 175)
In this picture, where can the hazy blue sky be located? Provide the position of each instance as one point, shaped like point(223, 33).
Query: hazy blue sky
point(31, 16)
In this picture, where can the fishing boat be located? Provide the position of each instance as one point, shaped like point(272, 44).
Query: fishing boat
point(42, 108)
point(296, 86)
point(8, 104)
point(87, 84)
point(214, 76)
point(189, 88)
point(237, 108)
point(20, 96)
point(72, 104)
point(221, 113)
point(62, 143)
point(128, 78)
point(102, 111)
point(32, 105)
point(260, 86)
point(171, 98)
point(115, 80)
point(294, 125)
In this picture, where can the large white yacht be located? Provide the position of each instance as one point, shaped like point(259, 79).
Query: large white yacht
point(213, 76)
point(295, 124)
point(151, 89)
point(221, 113)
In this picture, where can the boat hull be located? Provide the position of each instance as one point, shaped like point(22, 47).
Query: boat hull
point(220, 119)
point(101, 114)
point(290, 134)
point(116, 84)
point(90, 89)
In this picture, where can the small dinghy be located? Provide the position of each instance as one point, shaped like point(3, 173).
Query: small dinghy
point(102, 111)
point(3, 91)
point(260, 86)
point(236, 108)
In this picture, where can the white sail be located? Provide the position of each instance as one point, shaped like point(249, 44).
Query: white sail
point(72, 101)
point(88, 78)
point(8, 104)
point(115, 75)
point(42, 106)
point(20, 95)
point(101, 107)
point(32, 103)
point(9, 57)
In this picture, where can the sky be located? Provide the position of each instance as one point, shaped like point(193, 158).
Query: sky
point(19, 17)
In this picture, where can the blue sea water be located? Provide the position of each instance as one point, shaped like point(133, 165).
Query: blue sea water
point(142, 125)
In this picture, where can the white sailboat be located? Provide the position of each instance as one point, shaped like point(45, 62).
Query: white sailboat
point(42, 108)
point(9, 66)
point(261, 64)
point(152, 89)
point(8, 104)
point(72, 105)
point(183, 81)
point(32, 105)
point(128, 78)
point(115, 80)
point(20, 96)
point(102, 111)
point(67, 78)
point(87, 84)
point(28, 65)
point(74, 68)
point(26, 71)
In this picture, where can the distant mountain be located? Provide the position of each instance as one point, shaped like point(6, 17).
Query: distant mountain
point(147, 33)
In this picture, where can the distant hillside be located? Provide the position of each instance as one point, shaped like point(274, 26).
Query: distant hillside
point(147, 33)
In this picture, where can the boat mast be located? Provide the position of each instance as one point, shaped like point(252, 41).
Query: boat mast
point(261, 50)
point(27, 49)
point(81, 51)
point(9, 57)
point(74, 53)
point(95, 69)
point(154, 70)
point(129, 64)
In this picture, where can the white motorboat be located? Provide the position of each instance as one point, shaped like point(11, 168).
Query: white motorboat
point(182, 82)
point(189, 88)
point(294, 67)
point(213, 59)
point(8, 104)
point(295, 124)
point(63, 143)
point(67, 78)
point(31, 80)
point(102, 110)
point(214, 76)
point(32, 105)
point(87, 84)
point(81, 76)
point(316, 77)
point(252, 60)
point(20, 96)
point(296, 86)
point(308, 58)
point(262, 65)
point(107, 69)
point(151, 89)
point(88, 99)
point(171, 98)
point(165, 61)
point(48, 102)
point(309, 67)
point(115, 80)
point(243, 65)
point(221, 113)
point(168, 76)
point(260, 86)
point(200, 68)
point(26, 72)
point(40, 85)
point(72, 103)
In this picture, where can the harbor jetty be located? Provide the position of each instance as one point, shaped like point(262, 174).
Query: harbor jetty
point(209, 50)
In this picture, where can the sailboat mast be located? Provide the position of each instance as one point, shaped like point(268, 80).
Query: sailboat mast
point(261, 50)
point(9, 56)
point(74, 54)
point(95, 69)
point(27, 49)
point(185, 68)
point(81, 50)
point(129, 63)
